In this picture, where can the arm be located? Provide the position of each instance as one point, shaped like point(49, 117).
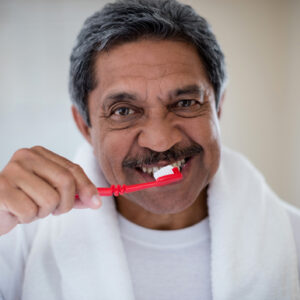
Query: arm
point(35, 183)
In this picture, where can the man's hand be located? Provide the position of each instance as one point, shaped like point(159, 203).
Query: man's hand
point(37, 182)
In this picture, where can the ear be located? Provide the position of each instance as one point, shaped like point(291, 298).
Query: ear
point(81, 125)
point(220, 106)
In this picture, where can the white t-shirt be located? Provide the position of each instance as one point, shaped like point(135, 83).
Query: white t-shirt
point(168, 264)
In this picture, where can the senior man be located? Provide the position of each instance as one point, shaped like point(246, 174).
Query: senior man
point(147, 82)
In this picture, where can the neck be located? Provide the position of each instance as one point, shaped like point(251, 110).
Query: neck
point(190, 216)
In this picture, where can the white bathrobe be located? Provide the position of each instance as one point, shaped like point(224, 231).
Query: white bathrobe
point(254, 245)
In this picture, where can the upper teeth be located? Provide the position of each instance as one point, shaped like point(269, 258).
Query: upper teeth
point(177, 164)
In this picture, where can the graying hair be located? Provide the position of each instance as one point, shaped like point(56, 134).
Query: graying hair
point(129, 20)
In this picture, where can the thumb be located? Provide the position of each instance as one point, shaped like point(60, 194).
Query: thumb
point(88, 198)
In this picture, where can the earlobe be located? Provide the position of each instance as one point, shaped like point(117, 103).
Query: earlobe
point(220, 106)
point(81, 125)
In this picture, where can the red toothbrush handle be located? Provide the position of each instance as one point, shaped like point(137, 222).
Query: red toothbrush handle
point(120, 190)
point(116, 190)
point(109, 191)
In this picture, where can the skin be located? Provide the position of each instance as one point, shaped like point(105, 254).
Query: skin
point(134, 109)
point(151, 97)
point(37, 182)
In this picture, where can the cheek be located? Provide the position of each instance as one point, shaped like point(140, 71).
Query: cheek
point(213, 147)
point(110, 148)
point(206, 132)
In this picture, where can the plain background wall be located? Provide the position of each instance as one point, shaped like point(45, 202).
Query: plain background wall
point(261, 42)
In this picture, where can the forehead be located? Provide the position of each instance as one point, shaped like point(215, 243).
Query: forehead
point(149, 64)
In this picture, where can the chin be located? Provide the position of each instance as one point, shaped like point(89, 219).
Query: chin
point(165, 203)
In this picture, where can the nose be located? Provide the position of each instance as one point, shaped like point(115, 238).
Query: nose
point(159, 135)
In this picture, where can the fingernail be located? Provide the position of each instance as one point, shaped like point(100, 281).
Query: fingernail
point(55, 213)
point(96, 200)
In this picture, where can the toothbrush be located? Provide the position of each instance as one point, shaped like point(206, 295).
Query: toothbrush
point(163, 176)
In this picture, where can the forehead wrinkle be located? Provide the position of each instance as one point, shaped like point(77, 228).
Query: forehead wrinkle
point(172, 93)
point(139, 70)
point(114, 66)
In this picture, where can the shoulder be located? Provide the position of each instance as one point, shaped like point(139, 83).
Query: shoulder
point(294, 216)
point(236, 169)
point(237, 160)
point(238, 164)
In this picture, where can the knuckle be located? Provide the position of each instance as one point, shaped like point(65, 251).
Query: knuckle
point(3, 183)
point(43, 213)
point(23, 153)
point(48, 206)
point(29, 213)
point(68, 207)
point(75, 168)
point(65, 180)
point(51, 202)
point(88, 189)
point(37, 148)
point(64, 208)
point(13, 167)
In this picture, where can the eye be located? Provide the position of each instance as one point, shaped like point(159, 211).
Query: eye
point(189, 108)
point(186, 103)
point(121, 116)
point(123, 111)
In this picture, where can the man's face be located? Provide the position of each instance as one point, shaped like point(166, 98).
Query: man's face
point(154, 105)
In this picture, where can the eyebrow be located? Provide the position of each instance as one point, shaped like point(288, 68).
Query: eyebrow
point(113, 98)
point(187, 90)
point(118, 97)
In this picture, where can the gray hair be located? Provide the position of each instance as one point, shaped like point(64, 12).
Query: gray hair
point(129, 20)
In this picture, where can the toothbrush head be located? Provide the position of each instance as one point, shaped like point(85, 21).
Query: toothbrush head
point(167, 170)
point(166, 175)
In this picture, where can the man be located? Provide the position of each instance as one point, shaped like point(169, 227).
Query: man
point(147, 81)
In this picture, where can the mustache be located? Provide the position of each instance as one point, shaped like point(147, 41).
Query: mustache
point(152, 157)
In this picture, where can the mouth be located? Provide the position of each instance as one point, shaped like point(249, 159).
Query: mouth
point(150, 169)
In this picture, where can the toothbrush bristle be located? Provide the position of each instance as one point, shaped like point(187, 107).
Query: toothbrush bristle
point(167, 170)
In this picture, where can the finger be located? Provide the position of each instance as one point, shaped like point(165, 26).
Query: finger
point(86, 190)
point(18, 204)
point(7, 222)
point(79, 204)
point(41, 192)
point(57, 176)
point(60, 181)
